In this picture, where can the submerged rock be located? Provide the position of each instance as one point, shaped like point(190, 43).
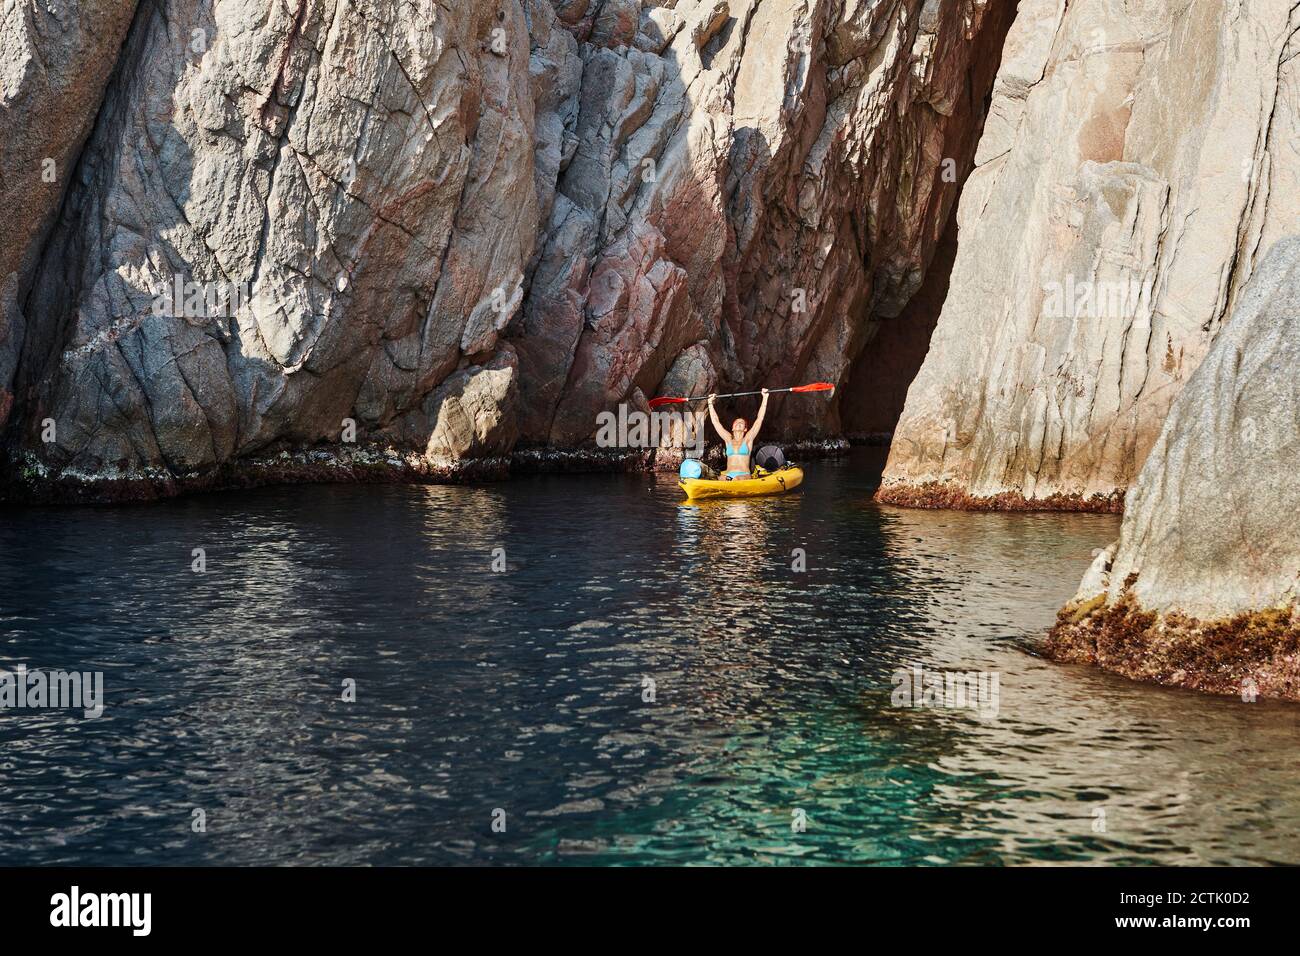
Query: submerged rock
point(1203, 587)
point(1136, 160)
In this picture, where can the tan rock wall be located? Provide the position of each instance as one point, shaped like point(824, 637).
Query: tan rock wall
point(1137, 158)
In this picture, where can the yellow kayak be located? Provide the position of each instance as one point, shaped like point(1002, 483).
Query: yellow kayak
point(763, 483)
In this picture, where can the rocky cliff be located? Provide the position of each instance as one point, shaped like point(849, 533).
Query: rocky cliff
point(319, 235)
point(1138, 158)
point(1203, 587)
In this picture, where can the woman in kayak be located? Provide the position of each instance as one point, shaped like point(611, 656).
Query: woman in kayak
point(739, 443)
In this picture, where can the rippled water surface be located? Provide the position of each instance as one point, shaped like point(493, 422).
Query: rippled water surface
point(524, 691)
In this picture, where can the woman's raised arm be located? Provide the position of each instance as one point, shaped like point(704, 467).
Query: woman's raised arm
point(713, 415)
point(758, 422)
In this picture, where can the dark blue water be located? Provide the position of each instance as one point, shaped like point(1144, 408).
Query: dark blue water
point(523, 691)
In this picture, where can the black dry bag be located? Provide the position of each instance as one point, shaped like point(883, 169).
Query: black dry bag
point(769, 458)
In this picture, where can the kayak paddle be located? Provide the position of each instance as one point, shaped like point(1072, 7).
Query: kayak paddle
point(814, 387)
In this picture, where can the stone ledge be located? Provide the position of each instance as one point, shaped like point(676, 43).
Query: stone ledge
point(30, 482)
point(316, 466)
point(942, 494)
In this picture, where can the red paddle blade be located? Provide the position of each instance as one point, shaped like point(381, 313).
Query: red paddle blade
point(656, 402)
point(814, 387)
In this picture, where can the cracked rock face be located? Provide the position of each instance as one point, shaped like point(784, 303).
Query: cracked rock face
point(465, 226)
point(1137, 160)
point(1210, 544)
point(361, 172)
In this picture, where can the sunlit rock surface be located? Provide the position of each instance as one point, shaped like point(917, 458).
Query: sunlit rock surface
point(1137, 161)
point(1203, 587)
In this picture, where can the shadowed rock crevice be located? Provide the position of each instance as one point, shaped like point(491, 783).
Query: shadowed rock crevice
point(873, 400)
point(55, 62)
point(796, 187)
point(899, 338)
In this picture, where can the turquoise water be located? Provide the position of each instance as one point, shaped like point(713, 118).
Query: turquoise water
point(524, 691)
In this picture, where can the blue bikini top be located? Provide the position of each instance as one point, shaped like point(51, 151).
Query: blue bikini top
point(742, 450)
